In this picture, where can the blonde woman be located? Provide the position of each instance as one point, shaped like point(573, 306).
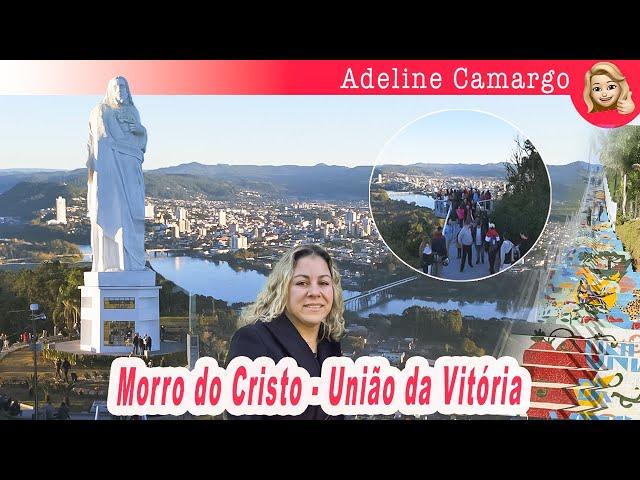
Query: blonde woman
point(606, 88)
point(298, 314)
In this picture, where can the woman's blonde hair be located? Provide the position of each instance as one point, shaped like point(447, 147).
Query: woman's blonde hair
point(611, 71)
point(272, 300)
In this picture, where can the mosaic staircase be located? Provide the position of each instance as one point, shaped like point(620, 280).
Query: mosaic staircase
point(582, 355)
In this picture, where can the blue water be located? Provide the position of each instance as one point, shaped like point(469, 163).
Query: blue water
point(477, 309)
point(204, 277)
point(86, 252)
point(420, 200)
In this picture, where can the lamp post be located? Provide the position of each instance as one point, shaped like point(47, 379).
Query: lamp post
point(34, 308)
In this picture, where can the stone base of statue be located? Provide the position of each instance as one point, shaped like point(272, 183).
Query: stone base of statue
point(117, 305)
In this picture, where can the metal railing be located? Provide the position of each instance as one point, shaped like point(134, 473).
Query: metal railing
point(612, 207)
point(446, 220)
point(441, 207)
point(486, 205)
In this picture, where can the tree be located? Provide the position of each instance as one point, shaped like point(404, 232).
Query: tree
point(620, 151)
point(524, 206)
point(470, 348)
point(429, 323)
point(54, 287)
point(67, 305)
point(402, 225)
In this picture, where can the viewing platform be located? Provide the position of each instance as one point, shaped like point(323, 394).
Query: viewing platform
point(441, 207)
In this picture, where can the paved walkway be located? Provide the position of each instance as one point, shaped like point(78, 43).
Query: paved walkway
point(452, 271)
point(166, 347)
point(13, 348)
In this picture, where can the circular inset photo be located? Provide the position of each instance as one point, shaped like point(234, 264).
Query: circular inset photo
point(460, 195)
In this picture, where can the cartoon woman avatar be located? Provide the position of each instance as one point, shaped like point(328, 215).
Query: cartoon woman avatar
point(606, 88)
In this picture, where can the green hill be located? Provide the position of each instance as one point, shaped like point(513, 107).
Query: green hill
point(402, 225)
point(27, 192)
point(26, 198)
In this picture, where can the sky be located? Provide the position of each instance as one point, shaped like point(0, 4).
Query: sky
point(452, 136)
point(52, 131)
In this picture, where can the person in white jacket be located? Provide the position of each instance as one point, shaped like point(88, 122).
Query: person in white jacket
point(506, 253)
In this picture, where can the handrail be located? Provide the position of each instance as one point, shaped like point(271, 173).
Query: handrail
point(483, 204)
point(446, 220)
point(438, 203)
point(612, 207)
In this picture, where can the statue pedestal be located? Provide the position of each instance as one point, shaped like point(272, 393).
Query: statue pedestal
point(116, 305)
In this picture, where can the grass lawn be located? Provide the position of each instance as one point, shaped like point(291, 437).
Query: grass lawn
point(16, 370)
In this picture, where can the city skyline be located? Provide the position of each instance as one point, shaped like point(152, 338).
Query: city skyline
point(270, 130)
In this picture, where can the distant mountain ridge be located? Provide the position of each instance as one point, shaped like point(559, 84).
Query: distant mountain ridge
point(558, 173)
point(566, 174)
point(22, 193)
point(320, 181)
point(27, 170)
point(454, 169)
point(12, 177)
point(26, 198)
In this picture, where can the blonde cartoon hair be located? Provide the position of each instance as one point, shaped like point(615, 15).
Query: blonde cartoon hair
point(611, 71)
point(272, 300)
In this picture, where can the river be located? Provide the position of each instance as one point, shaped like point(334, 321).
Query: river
point(85, 250)
point(219, 280)
point(420, 200)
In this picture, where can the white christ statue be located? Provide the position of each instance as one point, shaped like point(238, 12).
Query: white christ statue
point(115, 195)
